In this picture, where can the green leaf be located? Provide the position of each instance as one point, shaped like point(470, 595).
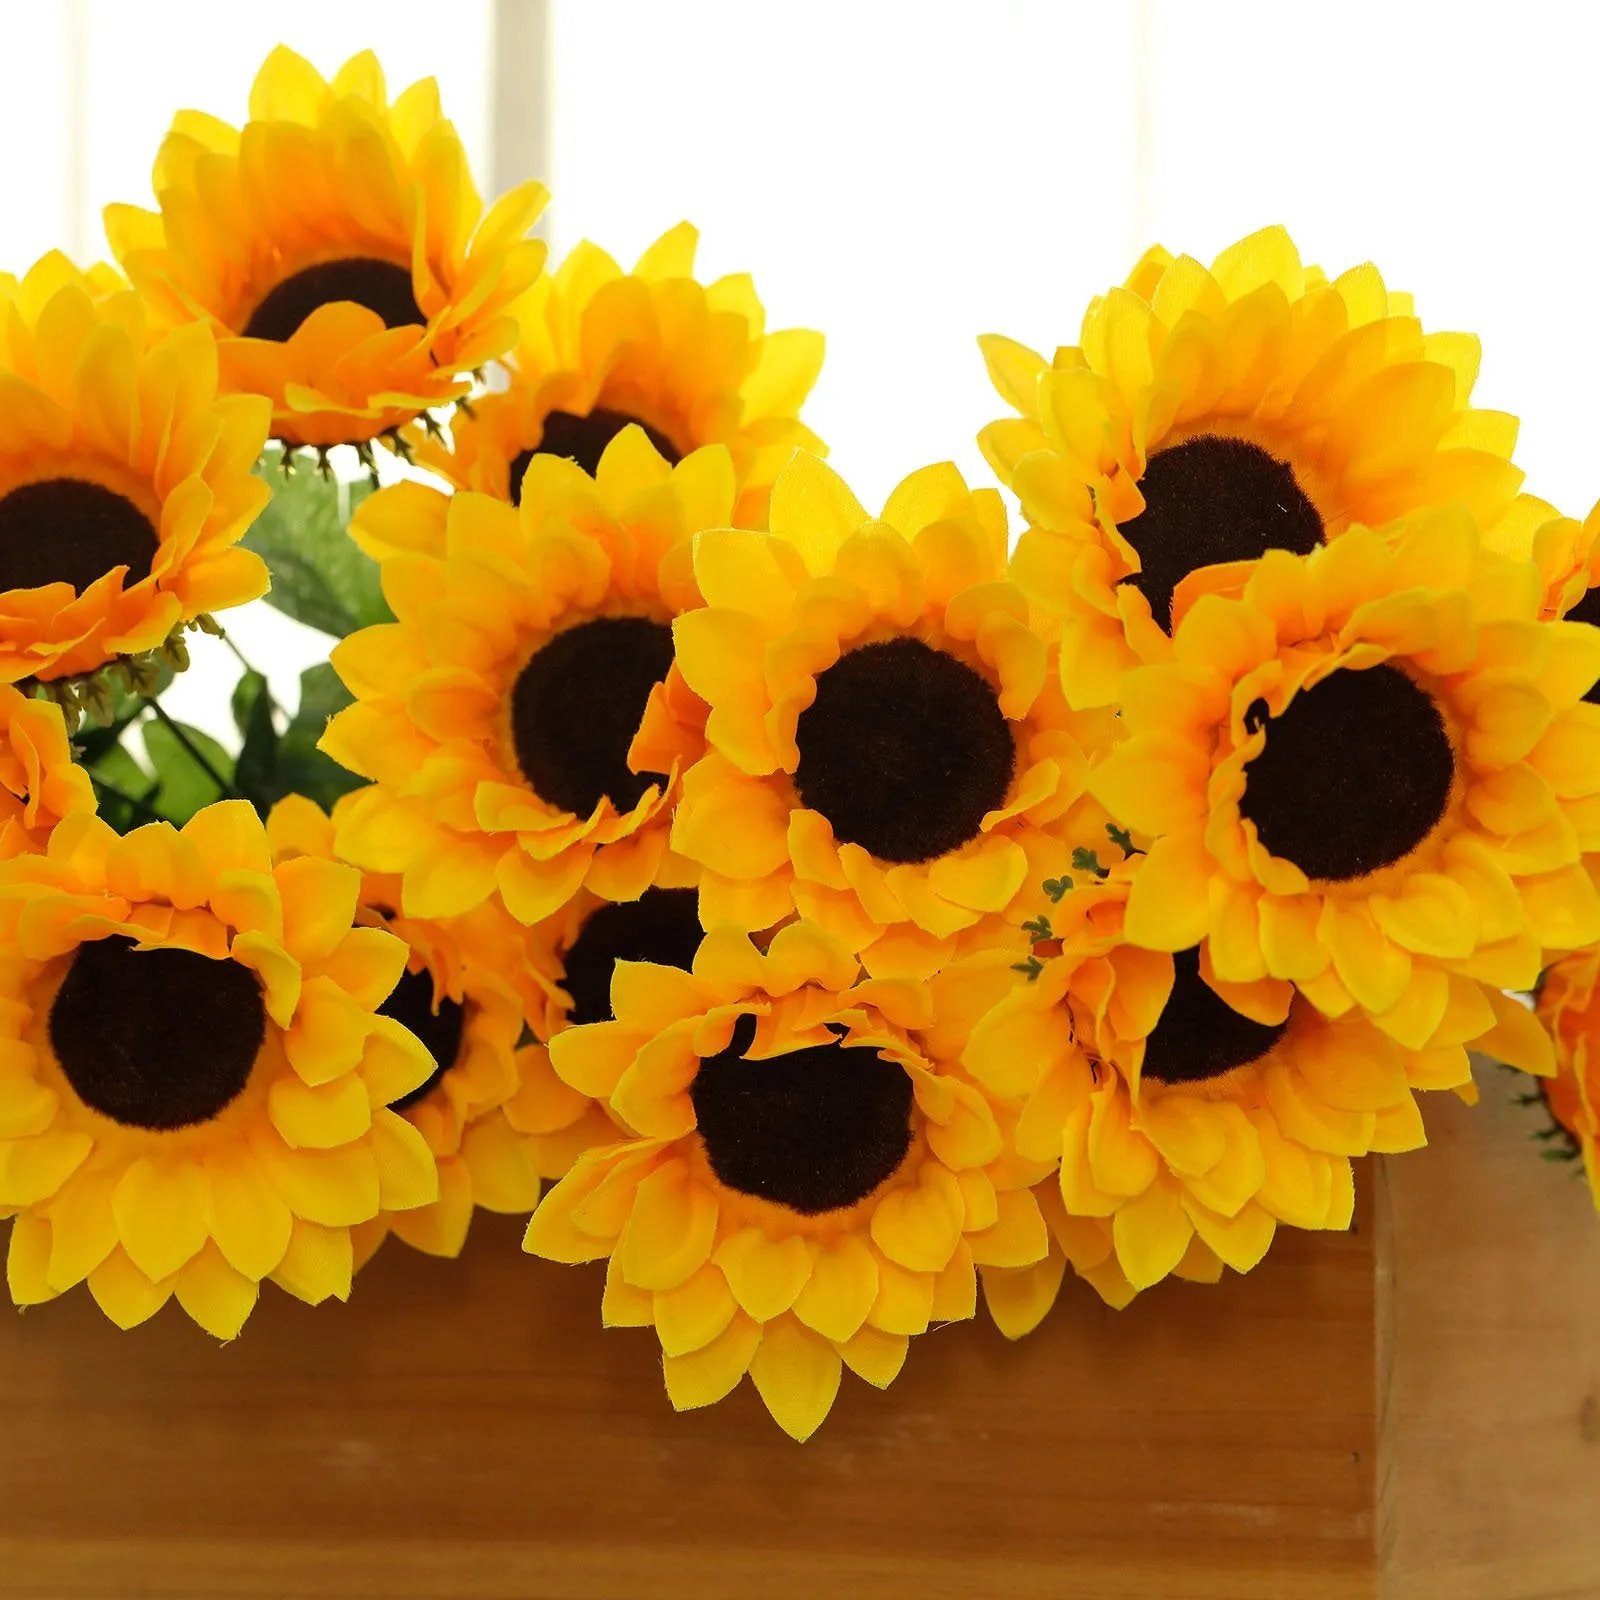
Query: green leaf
point(128, 801)
point(302, 768)
point(319, 575)
point(1089, 861)
point(184, 784)
point(256, 769)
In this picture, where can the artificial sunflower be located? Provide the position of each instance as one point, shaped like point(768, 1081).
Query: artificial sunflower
point(1367, 771)
point(196, 1076)
point(40, 783)
point(885, 739)
point(806, 1187)
point(578, 950)
point(492, 1112)
point(1569, 1007)
point(126, 483)
point(1206, 417)
point(337, 247)
point(600, 348)
point(1191, 1117)
point(523, 720)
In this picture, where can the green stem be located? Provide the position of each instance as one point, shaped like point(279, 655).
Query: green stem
point(225, 789)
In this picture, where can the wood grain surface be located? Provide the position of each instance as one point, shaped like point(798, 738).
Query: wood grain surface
point(468, 1430)
point(1492, 1481)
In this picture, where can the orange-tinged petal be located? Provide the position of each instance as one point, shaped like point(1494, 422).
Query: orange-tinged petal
point(765, 1275)
point(671, 1229)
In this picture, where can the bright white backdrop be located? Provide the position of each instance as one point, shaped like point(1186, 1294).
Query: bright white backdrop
point(906, 178)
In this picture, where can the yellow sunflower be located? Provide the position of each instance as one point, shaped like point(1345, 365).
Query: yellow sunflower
point(39, 781)
point(1208, 416)
point(126, 482)
point(1569, 1008)
point(885, 739)
point(1368, 771)
point(495, 1116)
point(806, 1188)
point(523, 719)
point(337, 247)
point(1191, 1116)
point(692, 365)
point(194, 1073)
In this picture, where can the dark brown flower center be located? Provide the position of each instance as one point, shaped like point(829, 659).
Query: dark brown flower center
point(815, 1130)
point(68, 530)
point(577, 706)
point(380, 286)
point(411, 1005)
point(1200, 1035)
point(157, 1039)
point(662, 925)
point(1210, 500)
point(1588, 610)
point(584, 440)
point(904, 750)
point(1354, 776)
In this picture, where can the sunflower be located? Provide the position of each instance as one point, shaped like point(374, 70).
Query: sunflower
point(1569, 1008)
point(1191, 1116)
point(692, 365)
point(336, 246)
point(125, 482)
point(1369, 770)
point(195, 1073)
point(39, 781)
point(885, 741)
point(523, 718)
point(492, 1112)
point(806, 1188)
point(1208, 416)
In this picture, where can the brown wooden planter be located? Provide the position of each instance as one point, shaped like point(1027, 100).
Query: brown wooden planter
point(1411, 1410)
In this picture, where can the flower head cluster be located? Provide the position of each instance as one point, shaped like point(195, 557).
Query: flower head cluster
point(840, 910)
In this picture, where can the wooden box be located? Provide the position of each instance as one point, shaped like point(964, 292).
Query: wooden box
point(1410, 1410)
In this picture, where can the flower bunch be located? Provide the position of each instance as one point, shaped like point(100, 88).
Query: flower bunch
point(812, 913)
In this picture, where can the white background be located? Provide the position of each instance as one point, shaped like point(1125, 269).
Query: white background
point(905, 177)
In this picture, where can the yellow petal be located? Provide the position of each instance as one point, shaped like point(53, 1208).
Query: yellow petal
point(318, 1264)
point(1019, 1297)
point(249, 1222)
point(764, 1274)
point(1152, 1232)
point(704, 1376)
point(918, 1225)
point(840, 1290)
point(690, 1316)
point(1169, 900)
point(796, 1372)
point(27, 1260)
point(670, 1231)
point(161, 1212)
point(215, 1295)
point(124, 1293)
point(1018, 1238)
point(875, 1356)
